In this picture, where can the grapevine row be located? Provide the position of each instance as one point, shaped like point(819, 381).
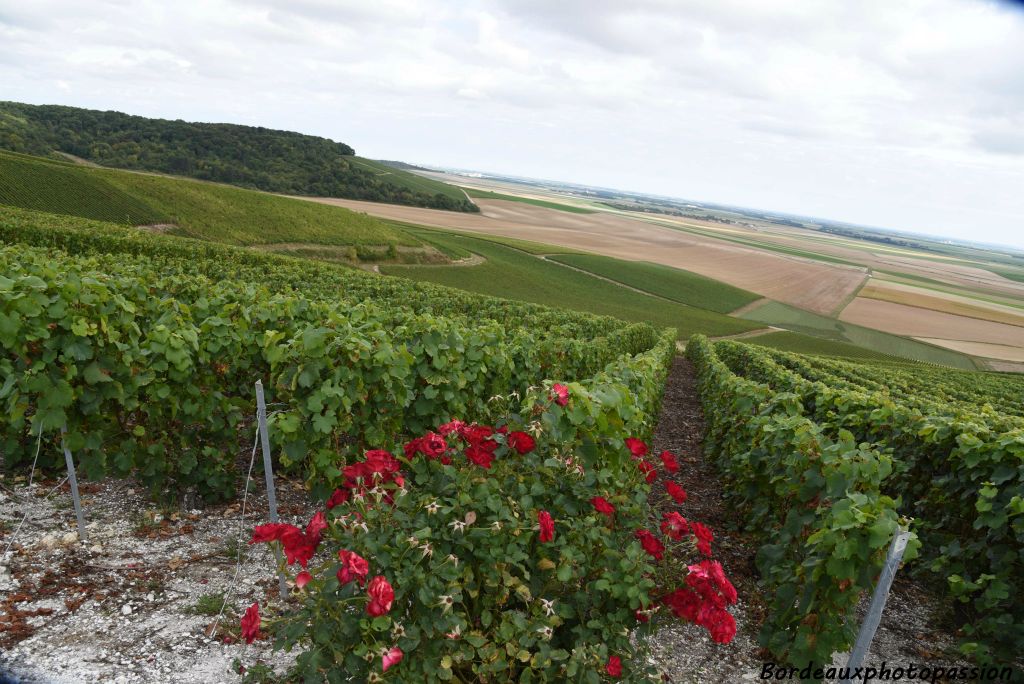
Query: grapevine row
point(959, 472)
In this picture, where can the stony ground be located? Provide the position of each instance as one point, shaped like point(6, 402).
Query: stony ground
point(138, 601)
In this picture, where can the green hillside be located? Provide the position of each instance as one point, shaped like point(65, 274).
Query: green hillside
point(246, 156)
point(206, 211)
point(514, 274)
point(65, 188)
point(410, 181)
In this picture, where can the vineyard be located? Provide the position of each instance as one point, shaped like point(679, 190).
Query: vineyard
point(145, 347)
point(206, 211)
point(826, 458)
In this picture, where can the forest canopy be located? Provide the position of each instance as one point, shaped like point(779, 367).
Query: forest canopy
point(247, 156)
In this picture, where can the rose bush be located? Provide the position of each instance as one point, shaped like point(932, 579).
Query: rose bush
point(485, 553)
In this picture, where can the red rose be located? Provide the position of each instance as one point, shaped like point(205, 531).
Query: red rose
point(651, 544)
point(648, 470)
point(676, 492)
point(431, 445)
point(269, 532)
point(454, 426)
point(479, 455)
point(302, 579)
point(722, 626)
point(315, 528)
point(353, 567)
point(669, 461)
point(704, 538)
point(478, 434)
point(601, 505)
point(547, 526)
point(521, 442)
point(339, 497)
point(684, 603)
point(674, 525)
point(614, 667)
point(392, 657)
point(382, 463)
point(561, 396)
point(297, 547)
point(251, 623)
point(381, 596)
point(636, 447)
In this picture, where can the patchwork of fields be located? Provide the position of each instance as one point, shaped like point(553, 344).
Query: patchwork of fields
point(794, 280)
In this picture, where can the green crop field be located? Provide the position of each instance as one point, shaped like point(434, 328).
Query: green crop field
point(797, 320)
point(508, 272)
point(671, 283)
point(805, 344)
point(207, 211)
point(487, 194)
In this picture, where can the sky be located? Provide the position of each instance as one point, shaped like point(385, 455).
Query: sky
point(906, 115)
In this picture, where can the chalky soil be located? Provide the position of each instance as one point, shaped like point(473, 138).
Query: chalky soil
point(126, 606)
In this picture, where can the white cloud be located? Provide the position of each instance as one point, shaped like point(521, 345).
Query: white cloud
point(898, 114)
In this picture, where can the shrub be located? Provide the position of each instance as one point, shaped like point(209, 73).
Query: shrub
point(483, 554)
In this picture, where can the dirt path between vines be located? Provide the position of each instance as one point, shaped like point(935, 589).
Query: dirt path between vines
point(685, 652)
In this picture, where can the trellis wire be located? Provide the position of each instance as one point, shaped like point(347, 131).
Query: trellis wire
point(241, 534)
point(31, 475)
point(261, 435)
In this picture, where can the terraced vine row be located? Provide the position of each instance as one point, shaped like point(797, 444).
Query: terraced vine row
point(147, 348)
point(955, 467)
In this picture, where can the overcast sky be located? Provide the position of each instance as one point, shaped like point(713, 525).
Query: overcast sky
point(906, 114)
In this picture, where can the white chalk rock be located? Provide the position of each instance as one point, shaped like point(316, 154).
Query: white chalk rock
point(69, 538)
point(126, 609)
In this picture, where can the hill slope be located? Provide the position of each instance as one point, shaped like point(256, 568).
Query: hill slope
point(207, 211)
point(247, 156)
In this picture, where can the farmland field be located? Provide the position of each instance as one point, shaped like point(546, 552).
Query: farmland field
point(508, 272)
point(487, 194)
point(817, 286)
point(899, 293)
point(911, 321)
point(774, 313)
point(670, 283)
point(785, 340)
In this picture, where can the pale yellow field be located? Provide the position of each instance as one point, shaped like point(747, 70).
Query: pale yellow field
point(993, 351)
point(804, 283)
point(911, 321)
point(899, 293)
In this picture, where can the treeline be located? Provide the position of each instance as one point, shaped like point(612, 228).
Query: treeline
point(247, 156)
